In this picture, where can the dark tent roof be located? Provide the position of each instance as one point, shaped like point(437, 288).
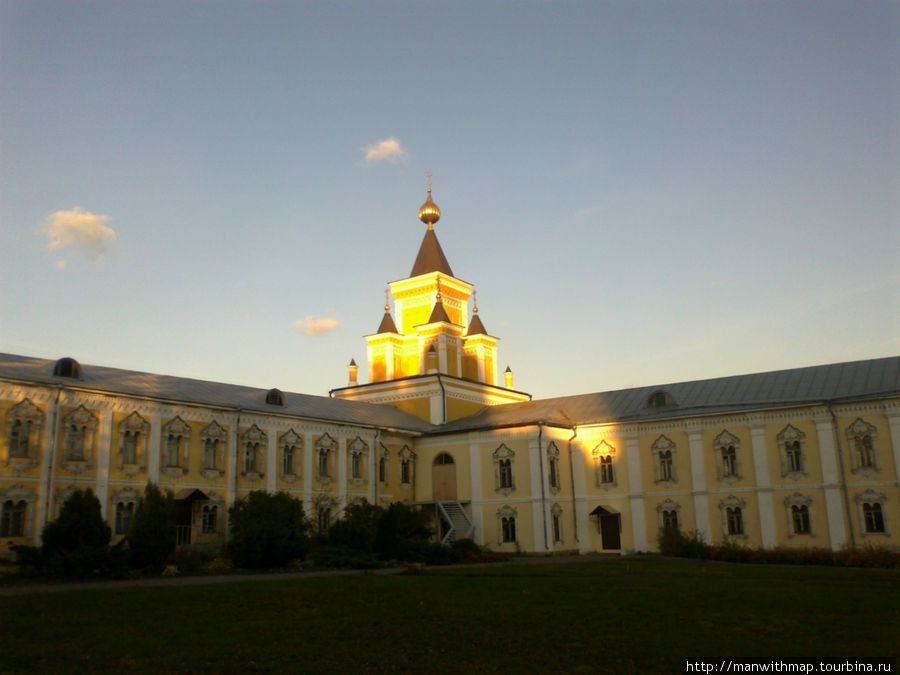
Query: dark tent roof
point(431, 257)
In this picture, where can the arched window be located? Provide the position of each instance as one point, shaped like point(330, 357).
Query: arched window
point(735, 520)
point(727, 446)
point(506, 480)
point(124, 514)
point(800, 518)
point(209, 519)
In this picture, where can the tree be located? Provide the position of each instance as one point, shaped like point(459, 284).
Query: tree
point(151, 537)
point(267, 530)
point(77, 541)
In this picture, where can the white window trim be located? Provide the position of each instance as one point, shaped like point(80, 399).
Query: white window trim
point(661, 445)
point(260, 441)
point(789, 435)
point(504, 453)
point(855, 433)
point(667, 505)
point(604, 449)
point(134, 424)
point(553, 459)
point(507, 511)
point(360, 449)
point(80, 417)
point(291, 439)
point(720, 444)
point(329, 445)
point(798, 499)
point(732, 502)
point(24, 411)
point(872, 497)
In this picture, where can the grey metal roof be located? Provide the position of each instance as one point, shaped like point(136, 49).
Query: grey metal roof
point(186, 390)
point(873, 378)
point(431, 257)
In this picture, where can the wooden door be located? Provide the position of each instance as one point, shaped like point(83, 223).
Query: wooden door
point(443, 478)
point(610, 527)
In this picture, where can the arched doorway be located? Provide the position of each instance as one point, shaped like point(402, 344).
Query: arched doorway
point(443, 478)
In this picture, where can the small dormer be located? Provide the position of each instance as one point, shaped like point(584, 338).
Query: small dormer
point(660, 399)
point(67, 367)
point(275, 397)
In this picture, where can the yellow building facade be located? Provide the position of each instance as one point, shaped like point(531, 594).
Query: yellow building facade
point(808, 457)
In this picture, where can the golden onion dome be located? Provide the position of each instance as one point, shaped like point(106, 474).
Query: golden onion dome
point(429, 213)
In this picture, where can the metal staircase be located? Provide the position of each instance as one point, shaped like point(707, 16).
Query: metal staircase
point(459, 525)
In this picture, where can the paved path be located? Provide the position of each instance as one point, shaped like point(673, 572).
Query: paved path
point(28, 588)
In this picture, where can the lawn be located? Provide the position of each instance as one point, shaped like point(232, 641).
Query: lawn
point(616, 615)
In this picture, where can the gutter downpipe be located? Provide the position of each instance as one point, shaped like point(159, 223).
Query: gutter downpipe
point(377, 477)
point(572, 478)
point(840, 454)
point(54, 433)
point(543, 491)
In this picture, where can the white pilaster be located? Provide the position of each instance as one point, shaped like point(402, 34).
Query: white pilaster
point(479, 352)
point(442, 353)
point(307, 469)
point(894, 424)
point(837, 530)
point(578, 487)
point(764, 486)
point(698, 482)
point(104, 456)
point(154, 451)
point(342, 476)
point(638, 515)
point(436, 408)
point(475, 477)
point(271, 460)
point(539, 512)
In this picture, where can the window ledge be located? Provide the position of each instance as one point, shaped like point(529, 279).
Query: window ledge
point(212, 474)
point(173, 471)
point(132, 469)
point(75, 465)
point(289, 477)
point(252, 475)
point(794, 475)
point(21, 463)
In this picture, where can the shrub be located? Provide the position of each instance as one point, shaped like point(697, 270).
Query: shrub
point(76, 542)
point(151, 537)
point(358, 528)
point(403, 532)
point(268, 530)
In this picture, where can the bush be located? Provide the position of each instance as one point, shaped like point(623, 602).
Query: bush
point(358, 528)
point(403, 533)
point(268, 530)
point(76, 542)
point(151, 537)
point(676, 543)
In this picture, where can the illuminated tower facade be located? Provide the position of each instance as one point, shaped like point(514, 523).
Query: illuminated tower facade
point(428, 357)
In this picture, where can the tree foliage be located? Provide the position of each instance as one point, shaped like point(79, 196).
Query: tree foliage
point(403, 531)
point(267, 530)
point(358, 528)
point(151, 537)
point(77, 541)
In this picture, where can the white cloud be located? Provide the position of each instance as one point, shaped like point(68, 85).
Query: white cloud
point(316, 325)
point(388, 150)
point(62, 265)
point(82, 230)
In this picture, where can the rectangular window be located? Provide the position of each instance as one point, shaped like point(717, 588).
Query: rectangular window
point(506, 479)
point(287, 460)
point(405, 472)
point(355, 466)
point(323, 463)
point(75, 443)
point(557, 528)
point(665, 465)
point(250, 458)
point(173, 447)
point(874, 518)
point(12, 521)
point(209, 520)
point(209, 453)
point(606, 469)
point(18, 439)
point(382, 470)
point(508, 527)
point(554, 472)
point(800, 519)
point(735, 520)
point(729, 461)
point(792, 452)
point(670, 520)
point(124, 512)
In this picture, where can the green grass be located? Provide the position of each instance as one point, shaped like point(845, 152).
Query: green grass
point(620, 615)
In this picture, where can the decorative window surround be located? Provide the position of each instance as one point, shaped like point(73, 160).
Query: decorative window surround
point(554, 476)
point(407, 468)
point(324, 512)
point(792, 450)
point(214, 440)
point(176, 435)
point(504, 470)
point(80, 430)
point(664, 467)
point(23, 432)
point(134, 432)
point(17, 511)
point(358, 451)
point(506, 525)
point(556, 523)
point(734, 511)
point(798, 509)
point(126, 502)
point(326, 449)
point(384, 467)
point(253, 444)
point(668, 515)
point(291, 444)
point(872, 513)
point(605, 473)
point(863, 452)
point(728, 465)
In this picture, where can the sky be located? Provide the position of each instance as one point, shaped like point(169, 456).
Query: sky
point(641, 192)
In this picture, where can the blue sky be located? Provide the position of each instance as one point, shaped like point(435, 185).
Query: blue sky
point(641, 192)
